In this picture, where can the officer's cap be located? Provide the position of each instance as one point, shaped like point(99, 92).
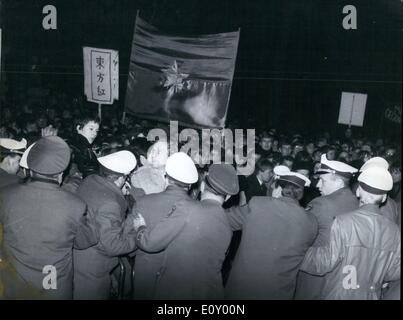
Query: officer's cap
point(121, 162)
point(181, 167)
point(12, 146)
point(49, 155)
point(223, 179)
point(376, 180)
point(375, 162)
point(337, 167)
point(23, 161)
point(283, 173)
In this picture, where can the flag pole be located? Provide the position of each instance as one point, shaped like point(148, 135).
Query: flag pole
point(100, 111)
point(134, 33)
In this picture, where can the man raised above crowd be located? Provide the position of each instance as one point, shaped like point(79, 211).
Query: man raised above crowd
point(83, 158)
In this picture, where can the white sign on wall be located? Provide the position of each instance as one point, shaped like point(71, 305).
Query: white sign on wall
point(101, 75)
point(352, 108)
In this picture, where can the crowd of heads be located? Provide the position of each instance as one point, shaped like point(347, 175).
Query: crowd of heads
point(299, 152)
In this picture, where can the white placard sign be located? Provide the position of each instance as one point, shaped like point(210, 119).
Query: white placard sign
point(101, 75)
point(352, 108)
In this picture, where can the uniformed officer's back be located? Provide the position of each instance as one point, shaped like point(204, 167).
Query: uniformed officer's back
point(194, 237)
point(194, 259)
point(276, 234)
point(42, 222)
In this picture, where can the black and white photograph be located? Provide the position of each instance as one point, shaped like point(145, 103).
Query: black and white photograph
point(200, 154)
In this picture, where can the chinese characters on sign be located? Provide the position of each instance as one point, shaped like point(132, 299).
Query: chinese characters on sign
point(101, 75)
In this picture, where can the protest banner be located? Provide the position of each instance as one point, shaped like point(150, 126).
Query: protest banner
point(0, 72)
point(101, 75)
point(394, 114)
point(185, 79)
point(352, 109)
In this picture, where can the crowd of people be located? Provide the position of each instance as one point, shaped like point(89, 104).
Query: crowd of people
point(319, 218)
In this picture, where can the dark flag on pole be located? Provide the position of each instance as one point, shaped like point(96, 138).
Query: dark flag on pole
point(187, 79)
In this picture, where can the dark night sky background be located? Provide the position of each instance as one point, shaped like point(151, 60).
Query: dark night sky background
point(294, 57)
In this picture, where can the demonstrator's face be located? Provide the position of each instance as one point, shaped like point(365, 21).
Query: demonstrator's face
point(266, 144)
point(89, 131)
point(286, 150)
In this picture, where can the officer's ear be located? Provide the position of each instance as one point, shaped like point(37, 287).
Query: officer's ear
point(384, 197)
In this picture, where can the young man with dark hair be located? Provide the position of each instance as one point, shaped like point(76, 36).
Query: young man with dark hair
point(83, 157)
point(285, 148)
point(256, 183)
point(265, 144)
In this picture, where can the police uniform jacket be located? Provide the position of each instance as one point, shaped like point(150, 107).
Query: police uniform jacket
point(116, 237)
point(41, 225)
point(324, 209)
point(364, 252)
point(154, 207)
point(7, 179)
point(390, 209)
point(195, 237)
point(276, 233)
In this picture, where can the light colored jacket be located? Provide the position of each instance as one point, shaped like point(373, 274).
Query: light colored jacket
point(363, 253)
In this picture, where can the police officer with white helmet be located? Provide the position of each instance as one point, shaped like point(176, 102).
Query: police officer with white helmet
point(195, 238)
point(181, 173)
point(364, 245)
point(104, 195)
point(337, 198)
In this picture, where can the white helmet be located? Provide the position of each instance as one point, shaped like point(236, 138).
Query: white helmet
point(376, 180)
point(375, 162)
point(122, 162)
point(181, 167)
point(12, 144)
